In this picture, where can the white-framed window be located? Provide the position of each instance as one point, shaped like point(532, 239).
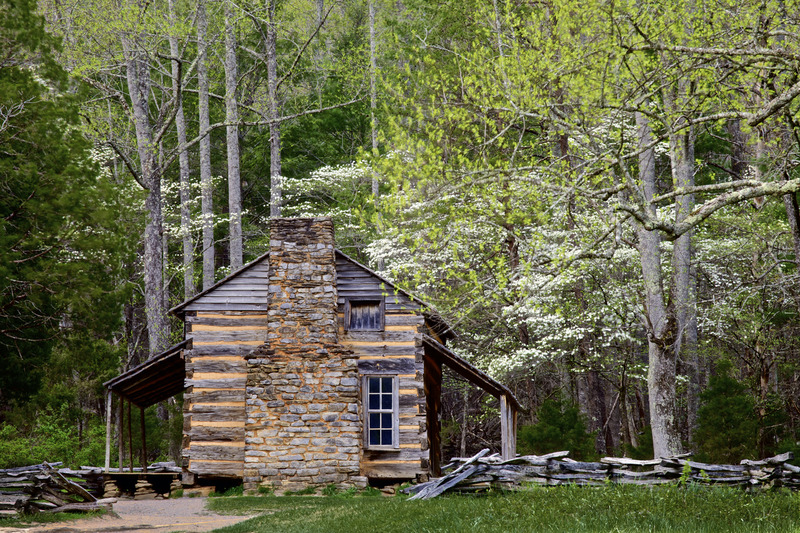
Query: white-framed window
point(364, 314)
point(381, 412)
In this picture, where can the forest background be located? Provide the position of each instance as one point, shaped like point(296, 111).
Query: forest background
point(600, 197)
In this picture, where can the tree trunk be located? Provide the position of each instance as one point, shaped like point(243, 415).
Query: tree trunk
point(183, 165)
point(660, 332)
point(793, 216)
point(276, 180)
point(373, 94)
point(232, 118)
point(682, 291)
point(206, 186)
point(138, 79)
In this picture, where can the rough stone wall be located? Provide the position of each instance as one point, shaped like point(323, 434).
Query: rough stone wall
point(302, 397)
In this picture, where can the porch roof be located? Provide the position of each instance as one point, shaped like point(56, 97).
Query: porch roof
point(160, 377)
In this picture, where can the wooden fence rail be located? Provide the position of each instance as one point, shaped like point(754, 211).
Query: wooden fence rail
point(31, 489)
point(483, 472)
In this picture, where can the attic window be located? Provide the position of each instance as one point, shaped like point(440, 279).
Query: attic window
point(363, 315)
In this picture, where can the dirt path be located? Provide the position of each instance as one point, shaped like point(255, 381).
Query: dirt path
point(181, 514)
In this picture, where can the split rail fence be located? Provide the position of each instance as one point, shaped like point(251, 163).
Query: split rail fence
point(483, 472)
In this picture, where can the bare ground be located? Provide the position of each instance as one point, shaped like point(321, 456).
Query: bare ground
point(139, 516)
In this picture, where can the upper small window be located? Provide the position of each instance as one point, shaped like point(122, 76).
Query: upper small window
point(364, 315)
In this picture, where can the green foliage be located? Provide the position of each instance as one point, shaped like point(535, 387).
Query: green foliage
point(61, 241)
point(236, 490)
point(727, 426)
point(560, 427)
point(550, 509)
point(53, 438)
point(645, 448)
point(266, 490)
point(302, 492)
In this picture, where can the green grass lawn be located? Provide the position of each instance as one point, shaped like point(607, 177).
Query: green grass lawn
point(551, 509)
point(26, 521)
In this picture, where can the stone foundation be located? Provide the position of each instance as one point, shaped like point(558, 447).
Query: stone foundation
point(302, 396)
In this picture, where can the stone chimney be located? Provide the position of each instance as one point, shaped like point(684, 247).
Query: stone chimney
point(302, 393)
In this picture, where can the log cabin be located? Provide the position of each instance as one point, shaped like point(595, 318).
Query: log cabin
point(307, 368)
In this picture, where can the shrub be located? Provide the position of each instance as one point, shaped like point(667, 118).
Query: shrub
point(560, 427)
point(727, 427)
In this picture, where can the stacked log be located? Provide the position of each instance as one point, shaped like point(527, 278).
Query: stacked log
point(483, 472)
point(42, 488)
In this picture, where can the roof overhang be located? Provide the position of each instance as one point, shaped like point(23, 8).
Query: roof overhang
point(160, 377)
point(468, 371)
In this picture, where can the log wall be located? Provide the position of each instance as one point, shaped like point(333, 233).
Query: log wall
point(395, 351)
point(216, 372)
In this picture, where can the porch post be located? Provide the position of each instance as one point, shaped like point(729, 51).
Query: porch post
point(120, 435)
point(130, 438)
point(108, 431)
point(144, 441)
point(508, 428)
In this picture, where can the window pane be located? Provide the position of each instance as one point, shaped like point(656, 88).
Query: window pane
point(387, 384)
point(386, 421)
point(374, 401)
point(386, 437)
point(375, 438)
point(386, 401)
point(374, 384)
point(374, 420)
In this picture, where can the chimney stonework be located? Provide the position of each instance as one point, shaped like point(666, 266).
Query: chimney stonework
point(302, 396)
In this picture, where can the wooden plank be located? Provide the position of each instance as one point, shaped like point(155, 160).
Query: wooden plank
point(218, 375)
point(401, 306)
point(410, 400)
point(201, 365)
point(231, 383)
point(371, 284)
point(404, 319)
point(388, 366)
point(229, 315)
point(233, 298)
point(214, 395)
point(221, 468)
point(202, 306)
point(408, 470)
point(201, 433)
point(200, 338)
point(245, 292)
point(205, 412)
point(222, 453)
point(380, 357)
point(229, 326)
point(198, 345)
point(388, 351)
point(216, 423)
point(220, 349)
point(410, 439)
point(392, 456)
point(407, 335)
point(239, 281)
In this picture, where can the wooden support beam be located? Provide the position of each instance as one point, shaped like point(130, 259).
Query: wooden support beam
point(508, 428)
point(130, 439)
point(108, 431)
point(120, 436)
point(144, 440)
